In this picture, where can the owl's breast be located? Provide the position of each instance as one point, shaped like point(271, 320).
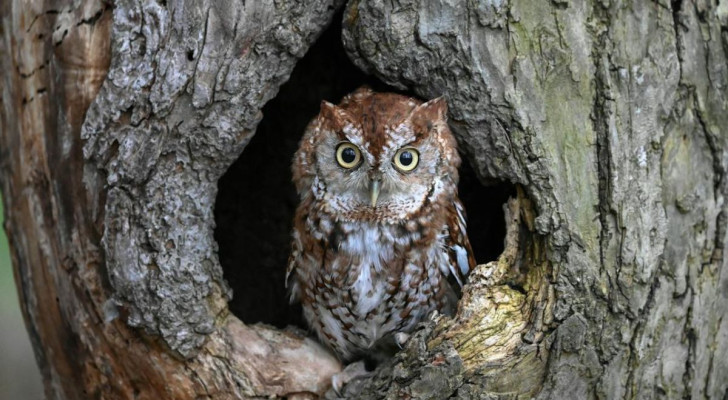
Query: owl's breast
point(389, 274)
point(363, 281)
point(368, 259)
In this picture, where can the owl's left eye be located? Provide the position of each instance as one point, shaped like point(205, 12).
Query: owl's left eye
point(348, 155)
point(406, 159)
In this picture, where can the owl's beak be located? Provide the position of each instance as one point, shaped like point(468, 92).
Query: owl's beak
point(376, 185)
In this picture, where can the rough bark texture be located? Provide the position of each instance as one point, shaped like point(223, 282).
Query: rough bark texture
point(118, 120)
point(181, 100)
point(613, 116)
point(116, 231)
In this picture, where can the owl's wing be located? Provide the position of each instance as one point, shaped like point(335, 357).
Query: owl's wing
point(291, 282)
point(459, 251)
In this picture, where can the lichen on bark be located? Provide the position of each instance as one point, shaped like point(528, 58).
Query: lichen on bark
point(604, 112)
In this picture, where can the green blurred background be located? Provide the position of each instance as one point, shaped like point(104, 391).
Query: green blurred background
point(19, 376)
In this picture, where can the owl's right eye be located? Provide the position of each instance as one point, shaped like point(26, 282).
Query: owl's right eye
point(348, 155)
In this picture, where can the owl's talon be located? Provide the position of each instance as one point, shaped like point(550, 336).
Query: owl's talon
point(337, 384)
point(401, 339)
point(352, 371)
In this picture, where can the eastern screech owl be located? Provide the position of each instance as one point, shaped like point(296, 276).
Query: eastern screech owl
point(380, 227)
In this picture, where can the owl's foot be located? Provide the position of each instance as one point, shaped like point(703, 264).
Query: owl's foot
point(352, 371)
point(401, 338)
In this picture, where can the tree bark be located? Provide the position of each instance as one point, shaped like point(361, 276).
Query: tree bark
point(117, 122)
point(613, 117)
point(610, 118)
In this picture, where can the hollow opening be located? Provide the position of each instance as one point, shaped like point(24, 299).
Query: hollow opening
point(256, 199)
point(485, 216)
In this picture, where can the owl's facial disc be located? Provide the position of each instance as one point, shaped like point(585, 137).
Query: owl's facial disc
point(375, 160)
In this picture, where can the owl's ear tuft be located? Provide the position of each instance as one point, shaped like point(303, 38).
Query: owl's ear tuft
point(433, 110)
point(436, 108)
point(328, 110)
point(331, 112)
point(424, 115)
point(334, 115)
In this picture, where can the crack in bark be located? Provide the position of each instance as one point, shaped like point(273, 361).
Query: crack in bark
point(721, 220)
point(688, 373)
point(709, 374)
point(43, 14)
point(25, 101)
point(637, 333)
point(602, 109)
point(201, 49)
point(718, 179)
point(86, 21)
point(26, 75)
point(40, 37)
point(689, 331)
point(94, 18)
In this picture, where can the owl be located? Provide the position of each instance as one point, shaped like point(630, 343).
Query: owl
point(379, 238)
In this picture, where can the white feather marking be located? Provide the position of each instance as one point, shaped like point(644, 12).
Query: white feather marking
point(332, 325)
point(371, 293)
point(462, 259)
point(365, 242)
point(461, 217)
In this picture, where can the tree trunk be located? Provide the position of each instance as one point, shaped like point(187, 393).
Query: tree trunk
point(610, 119)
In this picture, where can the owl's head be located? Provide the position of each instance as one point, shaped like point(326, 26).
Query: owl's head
point(377, 156)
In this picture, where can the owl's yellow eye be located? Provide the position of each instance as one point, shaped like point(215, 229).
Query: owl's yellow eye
point(348, 155)
point(406, 159)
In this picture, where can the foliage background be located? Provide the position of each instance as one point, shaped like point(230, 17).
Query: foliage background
point(19, 375)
